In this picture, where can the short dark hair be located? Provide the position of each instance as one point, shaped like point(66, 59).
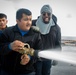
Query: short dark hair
point(22, 11)
point(2, 15)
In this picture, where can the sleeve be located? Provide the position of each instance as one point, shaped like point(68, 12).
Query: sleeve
point(4, 43)
point(38, 46)
point(58, 34)
point(58, 38)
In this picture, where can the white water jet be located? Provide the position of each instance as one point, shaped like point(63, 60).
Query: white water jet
point(67, 56)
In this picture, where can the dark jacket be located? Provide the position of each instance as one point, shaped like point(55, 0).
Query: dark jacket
point(0, 32)
point(0, 47)
point(53, 38)
point(11, 59)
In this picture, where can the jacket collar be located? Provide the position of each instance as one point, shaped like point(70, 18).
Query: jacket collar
point(15, 29)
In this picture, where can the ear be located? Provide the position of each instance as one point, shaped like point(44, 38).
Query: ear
point(17, 20)
point(6, 21)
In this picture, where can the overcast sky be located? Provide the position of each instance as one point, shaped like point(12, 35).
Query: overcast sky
point(65, 10)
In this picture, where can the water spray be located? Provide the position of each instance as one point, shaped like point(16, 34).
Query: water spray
point(68, 56)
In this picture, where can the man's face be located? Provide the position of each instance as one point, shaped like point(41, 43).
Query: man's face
point(25, 22)
point(46, 17)
point(3, 23)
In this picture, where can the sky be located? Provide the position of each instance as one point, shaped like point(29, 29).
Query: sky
point(64, 10)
